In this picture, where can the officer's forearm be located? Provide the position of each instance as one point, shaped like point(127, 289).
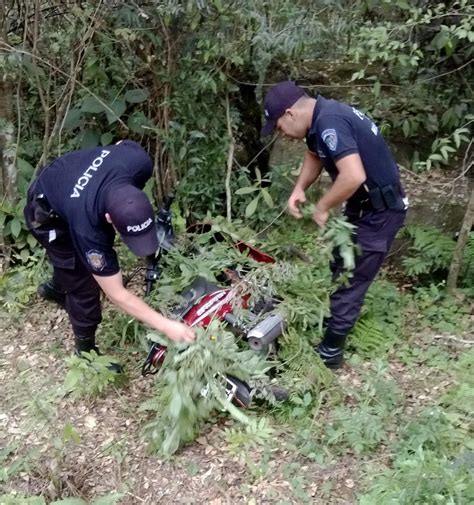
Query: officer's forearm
point(130, 303)
point(136, 307)
point(340, 191)
point(351, 176)
point(310, 171)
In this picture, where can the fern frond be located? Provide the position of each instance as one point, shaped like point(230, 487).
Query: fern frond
point(368, 337)
point(431, 249)
point(303, 369)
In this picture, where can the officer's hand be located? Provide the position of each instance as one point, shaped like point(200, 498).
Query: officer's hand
point(179, 332)
point(320, 216)
point(297, 197)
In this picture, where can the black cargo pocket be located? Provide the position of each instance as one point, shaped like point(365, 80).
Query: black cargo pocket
point(371, 244)
point(58, 245)
point(370, 236)
point(61, 258)
point(377, 221)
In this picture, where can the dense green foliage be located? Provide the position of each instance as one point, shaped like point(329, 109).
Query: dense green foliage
point(164, 73)
point(418, 57)
point(431, 252)
point(432, 457)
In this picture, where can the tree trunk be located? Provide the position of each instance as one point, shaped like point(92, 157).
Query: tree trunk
point(165, 173)
point(8, 188)
point(7, 140)
point(459, 249)
point(7, 155)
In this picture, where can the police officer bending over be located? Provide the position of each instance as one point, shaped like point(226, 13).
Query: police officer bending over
point(350, 147)
point(73, 209)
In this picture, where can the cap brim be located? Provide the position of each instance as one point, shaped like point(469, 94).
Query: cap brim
point(145, 244)
point(268, 127)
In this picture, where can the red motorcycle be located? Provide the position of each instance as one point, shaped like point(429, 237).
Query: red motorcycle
point(206, 301)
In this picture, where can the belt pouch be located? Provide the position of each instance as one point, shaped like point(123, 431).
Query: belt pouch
point(376, 199)
point(390, 198)
point(41, 211)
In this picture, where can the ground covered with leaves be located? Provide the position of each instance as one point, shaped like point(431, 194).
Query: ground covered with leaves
point(392, 426)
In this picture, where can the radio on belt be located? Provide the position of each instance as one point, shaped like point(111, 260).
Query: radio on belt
point(265, 332)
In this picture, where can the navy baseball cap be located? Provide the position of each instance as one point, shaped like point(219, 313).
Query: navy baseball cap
point(281, 97)
point(133, 217)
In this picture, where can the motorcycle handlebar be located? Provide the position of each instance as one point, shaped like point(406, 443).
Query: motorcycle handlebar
point(149, 275)
point(169, 198)
point(163, 220)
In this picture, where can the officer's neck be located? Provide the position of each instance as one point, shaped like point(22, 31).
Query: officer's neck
point(309, 106)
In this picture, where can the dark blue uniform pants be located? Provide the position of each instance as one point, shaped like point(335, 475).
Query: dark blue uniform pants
point(375, 233)
point(69, 275)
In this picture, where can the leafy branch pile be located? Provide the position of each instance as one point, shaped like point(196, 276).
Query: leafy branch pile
point(190, 386)
point(303, 286)
point(338, 234)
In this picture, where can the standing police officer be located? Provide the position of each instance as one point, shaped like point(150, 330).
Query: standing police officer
point(365, 175)
point(73, 209)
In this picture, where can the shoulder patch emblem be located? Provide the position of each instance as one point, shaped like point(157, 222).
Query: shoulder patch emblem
point(329, 137)
point(96, 260)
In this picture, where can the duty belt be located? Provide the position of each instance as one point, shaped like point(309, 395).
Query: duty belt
point(386, 198)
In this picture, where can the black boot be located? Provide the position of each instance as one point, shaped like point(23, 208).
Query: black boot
point(49, 292)
point(84, 344)
point(331, 348)
point(87, 344)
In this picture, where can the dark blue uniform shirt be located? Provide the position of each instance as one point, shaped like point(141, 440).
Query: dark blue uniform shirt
point(337, 130)
point(75, 186)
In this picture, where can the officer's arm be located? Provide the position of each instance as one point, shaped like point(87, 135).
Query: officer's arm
point(310, 170)
point(351, 176)
point(113, 288)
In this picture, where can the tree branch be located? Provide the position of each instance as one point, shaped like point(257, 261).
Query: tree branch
point(452, 337)
point(466, 226)
point(230, 158)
